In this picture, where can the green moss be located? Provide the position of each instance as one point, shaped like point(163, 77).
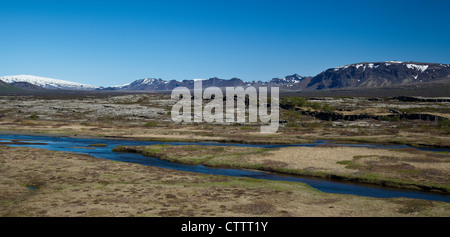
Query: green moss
point(344, 162)
point(327, 108)
point(253, 183)
point(151, 124)
point(315, 105)
point(351, 164)
point(292, 102)
point(246, 128)
point(412, 172)
point(154, 150)
point(119, 149)
point(34, 116)
point(444, 152)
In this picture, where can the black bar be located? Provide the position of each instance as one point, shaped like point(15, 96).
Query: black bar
point(222, 226)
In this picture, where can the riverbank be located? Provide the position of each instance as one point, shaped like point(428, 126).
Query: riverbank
point(215, 133)
point(404, 168)
point(39, 182)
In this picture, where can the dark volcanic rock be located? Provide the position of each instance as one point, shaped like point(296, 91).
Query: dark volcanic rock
point(419, 99)
point(333, 116)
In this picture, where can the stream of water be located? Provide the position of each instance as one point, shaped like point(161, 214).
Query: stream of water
point(81, 145)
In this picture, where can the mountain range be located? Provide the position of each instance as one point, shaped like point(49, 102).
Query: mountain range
point(154, 84)
point(359, 75)
point(376, 75)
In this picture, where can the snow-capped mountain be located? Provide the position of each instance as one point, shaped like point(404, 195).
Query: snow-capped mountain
point(141, 85)
point(290, 82)
point(47, 83)
point(380, 74)
point(291, 79)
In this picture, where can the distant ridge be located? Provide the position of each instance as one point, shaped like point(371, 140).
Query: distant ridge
point(380, 74)
point(47, 83)
point(153, 84)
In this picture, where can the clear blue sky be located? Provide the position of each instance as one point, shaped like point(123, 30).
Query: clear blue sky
point(107, 43)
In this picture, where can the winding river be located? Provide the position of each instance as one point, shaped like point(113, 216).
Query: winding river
point(81, 145)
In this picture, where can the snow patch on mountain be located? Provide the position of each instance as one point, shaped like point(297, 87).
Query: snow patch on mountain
point(341, 67)
point(148, 80)
point(48, 83)
point(421, 68)
point(364, 66)
point(291, 79)
point(120, 86)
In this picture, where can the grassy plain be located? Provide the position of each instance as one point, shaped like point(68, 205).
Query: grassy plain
point(38, 182)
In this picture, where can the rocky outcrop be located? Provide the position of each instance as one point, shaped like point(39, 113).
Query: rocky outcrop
point(333, 116)
point(419, 99)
